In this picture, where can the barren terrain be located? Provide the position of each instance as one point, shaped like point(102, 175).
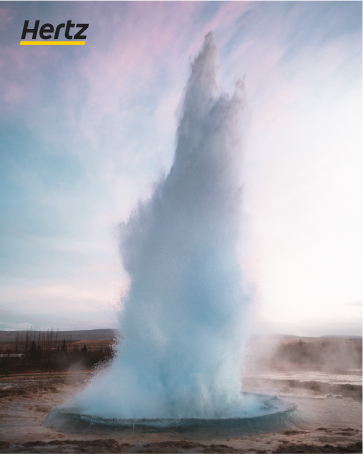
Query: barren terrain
point(332, 424)
point(328, 417)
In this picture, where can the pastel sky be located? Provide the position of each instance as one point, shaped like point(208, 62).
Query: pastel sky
point(86, 131)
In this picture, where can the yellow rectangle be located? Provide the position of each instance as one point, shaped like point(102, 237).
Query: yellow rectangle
point(52, 43)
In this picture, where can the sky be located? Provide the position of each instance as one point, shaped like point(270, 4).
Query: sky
point(87, 131)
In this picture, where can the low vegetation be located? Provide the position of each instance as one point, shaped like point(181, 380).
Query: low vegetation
point(51, 350)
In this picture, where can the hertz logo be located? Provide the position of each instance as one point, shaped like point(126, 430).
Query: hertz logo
point(46, 31)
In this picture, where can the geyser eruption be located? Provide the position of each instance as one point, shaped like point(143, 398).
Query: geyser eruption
point(183, 321)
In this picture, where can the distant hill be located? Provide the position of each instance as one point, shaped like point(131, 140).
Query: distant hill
point(110, 334)
point(354, 337)
point(98, 334)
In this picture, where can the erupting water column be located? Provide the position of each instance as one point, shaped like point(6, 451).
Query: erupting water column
point(183, 321)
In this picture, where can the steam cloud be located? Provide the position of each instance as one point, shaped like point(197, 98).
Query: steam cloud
point(184, 318)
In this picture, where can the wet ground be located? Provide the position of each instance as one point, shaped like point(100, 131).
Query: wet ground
point(328, 419)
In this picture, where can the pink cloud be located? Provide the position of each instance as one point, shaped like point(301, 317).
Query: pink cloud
point(20, 74)
point(5, 16)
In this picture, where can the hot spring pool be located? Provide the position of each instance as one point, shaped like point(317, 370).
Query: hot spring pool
point(262, 413)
